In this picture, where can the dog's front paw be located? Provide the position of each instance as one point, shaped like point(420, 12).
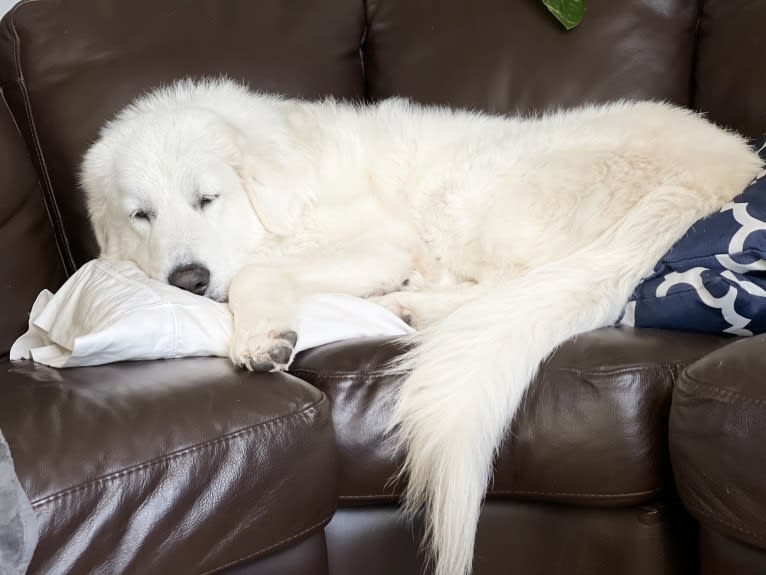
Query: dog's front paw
point(267, 350)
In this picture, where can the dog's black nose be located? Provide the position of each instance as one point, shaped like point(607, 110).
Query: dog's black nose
point(191, 277)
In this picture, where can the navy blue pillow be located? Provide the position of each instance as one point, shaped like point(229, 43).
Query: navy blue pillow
point(714, 278)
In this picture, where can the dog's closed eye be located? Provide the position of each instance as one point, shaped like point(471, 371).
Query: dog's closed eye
point(142, 215)
point(205, 201)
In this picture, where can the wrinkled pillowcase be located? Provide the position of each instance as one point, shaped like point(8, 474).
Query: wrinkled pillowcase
point(111, 311)
point(714, 277)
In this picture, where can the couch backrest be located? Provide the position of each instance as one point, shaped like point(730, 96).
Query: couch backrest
point(512, 56)
point(67, 66)
point(730, 66)
point(30, 261)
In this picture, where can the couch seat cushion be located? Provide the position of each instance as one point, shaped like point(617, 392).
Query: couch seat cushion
point(593, 429)
point(178, 466)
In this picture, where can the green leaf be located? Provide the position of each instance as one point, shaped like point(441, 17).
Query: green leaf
point(568, 12)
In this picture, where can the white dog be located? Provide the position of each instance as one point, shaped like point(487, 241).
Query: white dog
point(498, 237)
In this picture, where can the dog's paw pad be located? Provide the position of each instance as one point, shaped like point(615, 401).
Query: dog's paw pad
point(271, 352)
point(253, 365)
point(280, 354)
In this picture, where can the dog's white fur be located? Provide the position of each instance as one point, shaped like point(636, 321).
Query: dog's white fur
point(509, 237)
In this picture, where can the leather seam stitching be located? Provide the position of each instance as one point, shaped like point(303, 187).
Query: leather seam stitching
point(599, 495)
point(595, 371)
point(517, 492)
point(323, 521)
point(172, 456)
point(339, 374)
point(51, 206)
point(719, 391)
point(361, 50)
point(708, 515)
point(621, 369)
point(375, 496)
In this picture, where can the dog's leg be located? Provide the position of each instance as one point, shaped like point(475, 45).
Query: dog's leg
point(263, 302)
point(421, 309)
point(263, 298)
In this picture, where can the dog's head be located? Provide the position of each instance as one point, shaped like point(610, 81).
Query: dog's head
point(181, 188)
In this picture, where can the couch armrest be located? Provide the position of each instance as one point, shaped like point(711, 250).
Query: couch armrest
point(174, 466)
point(718, 439)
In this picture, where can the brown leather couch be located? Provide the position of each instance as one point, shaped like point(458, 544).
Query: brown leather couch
point(191, 466)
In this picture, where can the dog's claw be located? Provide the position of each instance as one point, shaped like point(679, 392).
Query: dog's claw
point(290, 337)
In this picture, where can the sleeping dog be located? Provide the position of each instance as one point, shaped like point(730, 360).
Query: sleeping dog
point(497, 237)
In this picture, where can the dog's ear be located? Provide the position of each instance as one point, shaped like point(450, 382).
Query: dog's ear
point(97, 214)
point(277, 206)
point(93, 181)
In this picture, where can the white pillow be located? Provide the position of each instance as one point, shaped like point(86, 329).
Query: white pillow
point(111, 311)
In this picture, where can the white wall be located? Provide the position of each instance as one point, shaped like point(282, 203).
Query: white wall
point(5, 5)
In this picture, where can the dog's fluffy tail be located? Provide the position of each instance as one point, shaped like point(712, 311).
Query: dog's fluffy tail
point(468, 373)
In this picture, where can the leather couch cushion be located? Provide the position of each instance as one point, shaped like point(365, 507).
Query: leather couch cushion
point(717, 439)
point(309, 556)
point(721, 555)
point(523, 538)
point(506, 56)
point(593, 429)
point(178, 466)
point(29, 262)
point(67, 67)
